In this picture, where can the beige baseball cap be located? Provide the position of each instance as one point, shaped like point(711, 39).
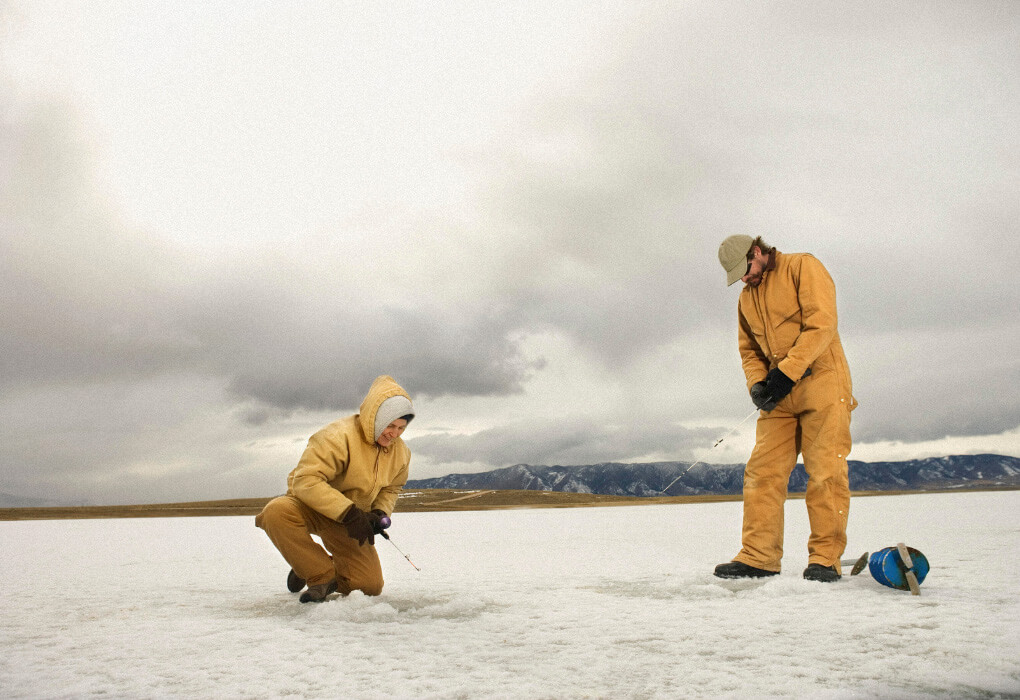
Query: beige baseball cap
point(733, 257)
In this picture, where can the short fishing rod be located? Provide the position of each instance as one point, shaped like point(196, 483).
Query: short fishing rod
point(385, 522)
point(732, 430)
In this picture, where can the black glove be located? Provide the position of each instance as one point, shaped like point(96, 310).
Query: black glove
point(359, 525)
point(761, 397)
point(778, 385)
point(374, 517)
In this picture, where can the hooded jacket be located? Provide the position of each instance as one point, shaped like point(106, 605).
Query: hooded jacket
point(343, 465)
point(789, 321)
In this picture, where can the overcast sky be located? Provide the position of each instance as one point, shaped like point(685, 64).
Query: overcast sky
point(220, 221)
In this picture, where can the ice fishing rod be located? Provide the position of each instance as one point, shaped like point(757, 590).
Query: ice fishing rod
point(732, 430)
point(385, 522)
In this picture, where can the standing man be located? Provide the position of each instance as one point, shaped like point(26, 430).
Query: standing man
point(798, 376)
point(347, 480)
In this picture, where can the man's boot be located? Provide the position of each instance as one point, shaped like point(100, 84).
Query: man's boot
point(825, 574)
point(738, 569)
point(294, 582)
point(318, 593)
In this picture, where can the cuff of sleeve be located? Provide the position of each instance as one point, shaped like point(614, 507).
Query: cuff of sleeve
point(754, 380)
point(793, 370)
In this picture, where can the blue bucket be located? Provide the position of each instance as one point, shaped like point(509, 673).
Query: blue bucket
point(887, 567)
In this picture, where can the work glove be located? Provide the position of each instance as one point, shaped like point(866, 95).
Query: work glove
point(358, 525)
point(761, 397)
point(375, 517)
point(778, 385)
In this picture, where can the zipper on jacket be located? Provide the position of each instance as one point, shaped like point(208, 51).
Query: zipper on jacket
point(759, 307)
point(375, 471)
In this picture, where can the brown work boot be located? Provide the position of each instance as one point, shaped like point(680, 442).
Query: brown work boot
point(294, 582)
point(318, 593)
point(738, 569)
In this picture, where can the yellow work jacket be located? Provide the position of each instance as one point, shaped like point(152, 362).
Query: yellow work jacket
point(343, 464)
point(789, 321)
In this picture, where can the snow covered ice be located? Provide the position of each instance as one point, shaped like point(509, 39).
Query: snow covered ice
point(546, 603)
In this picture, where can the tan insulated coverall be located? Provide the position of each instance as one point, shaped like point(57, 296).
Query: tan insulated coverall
point(789, 321)
point(342, 465)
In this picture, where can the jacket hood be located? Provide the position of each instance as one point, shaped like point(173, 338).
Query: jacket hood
point(382, 388)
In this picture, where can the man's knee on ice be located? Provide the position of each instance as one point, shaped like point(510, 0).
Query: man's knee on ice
point(367, 586)
point(373, 590)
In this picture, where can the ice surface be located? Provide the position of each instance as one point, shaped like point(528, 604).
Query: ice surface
point(587, 602)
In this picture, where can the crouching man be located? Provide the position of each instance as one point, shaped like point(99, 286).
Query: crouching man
point(347, 480)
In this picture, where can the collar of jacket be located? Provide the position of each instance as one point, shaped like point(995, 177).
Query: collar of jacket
point(771, 264)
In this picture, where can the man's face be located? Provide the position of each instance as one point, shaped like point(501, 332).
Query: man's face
point(392, 432)
point(755, 268)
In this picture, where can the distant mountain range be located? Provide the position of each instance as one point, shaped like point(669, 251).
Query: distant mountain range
point(618, 479)
point(614, 478)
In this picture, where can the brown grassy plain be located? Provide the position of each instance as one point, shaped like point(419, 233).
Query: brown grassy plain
point(412, 501)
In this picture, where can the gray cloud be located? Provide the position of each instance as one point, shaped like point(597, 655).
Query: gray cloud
point(878, 138)
point(935, 383)
point(820, 138)
point(90, 301)
point(154, 440)
point(564, 441)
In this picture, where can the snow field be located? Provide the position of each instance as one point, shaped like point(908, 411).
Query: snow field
point(544, 603)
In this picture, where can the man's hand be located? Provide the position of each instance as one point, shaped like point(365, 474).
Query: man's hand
point(778, 385)
point(375, 517)
point(761, 397)
point(359, 525)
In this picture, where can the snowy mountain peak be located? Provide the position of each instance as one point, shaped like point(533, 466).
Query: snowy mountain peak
point(649, 479)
